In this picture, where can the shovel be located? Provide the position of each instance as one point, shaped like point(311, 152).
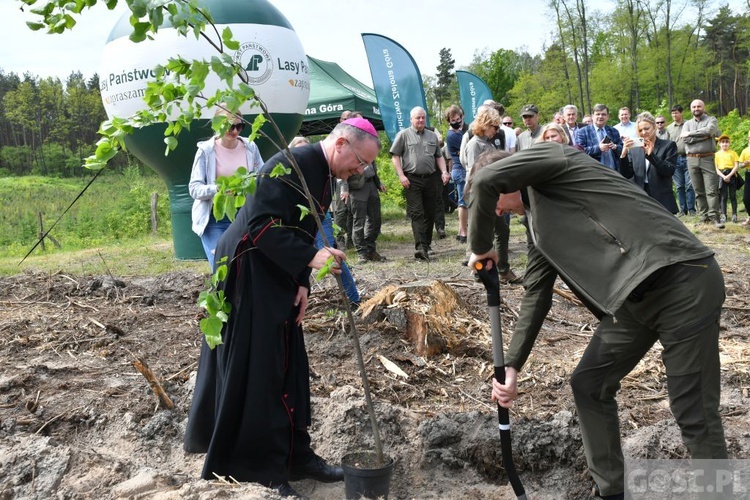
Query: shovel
point(491, 282)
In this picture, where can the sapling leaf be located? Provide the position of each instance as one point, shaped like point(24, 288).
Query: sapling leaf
point(218, 208)
point(211, 328)
point(227, 38)
point(326, 269)
point(304, 211)
point(279, 171)
point(230, 210)
point(221, 271)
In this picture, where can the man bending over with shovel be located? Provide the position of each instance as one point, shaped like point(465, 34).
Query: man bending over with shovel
point(636, 267)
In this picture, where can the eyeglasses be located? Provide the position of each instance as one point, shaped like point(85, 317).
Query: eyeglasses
point(362, 163)
point(508, 124)
point(237, 126)
point(660, 123)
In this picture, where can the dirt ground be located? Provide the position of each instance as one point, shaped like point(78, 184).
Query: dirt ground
point(77, 420)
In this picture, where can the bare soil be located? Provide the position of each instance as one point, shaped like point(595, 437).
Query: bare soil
point(77, 420)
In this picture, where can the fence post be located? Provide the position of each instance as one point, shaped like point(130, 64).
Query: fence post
point(40, 234)
point(154, 218)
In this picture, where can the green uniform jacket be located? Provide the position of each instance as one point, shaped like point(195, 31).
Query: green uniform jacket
point(599, 232)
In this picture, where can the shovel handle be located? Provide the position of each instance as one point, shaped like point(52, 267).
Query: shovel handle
point(487, 271)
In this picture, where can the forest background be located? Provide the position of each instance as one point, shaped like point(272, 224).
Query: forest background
point(646, 54)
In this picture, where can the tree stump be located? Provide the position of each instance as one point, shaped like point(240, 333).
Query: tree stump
point(428, 313)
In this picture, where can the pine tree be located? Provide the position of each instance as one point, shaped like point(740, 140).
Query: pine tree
point(444, 78)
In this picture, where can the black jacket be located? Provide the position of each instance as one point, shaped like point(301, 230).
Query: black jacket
point(663, 160)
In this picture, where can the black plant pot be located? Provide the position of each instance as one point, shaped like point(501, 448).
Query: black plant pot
point(364, 477)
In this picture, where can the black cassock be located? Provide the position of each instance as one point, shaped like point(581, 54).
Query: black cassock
point(251, 403)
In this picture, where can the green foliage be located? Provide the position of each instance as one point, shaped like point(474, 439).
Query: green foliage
point(216, 306)
point(501, 70)
point(116, 207)
point(446, 86)
point(736, 128)
point(393, 198)
point(232, 192)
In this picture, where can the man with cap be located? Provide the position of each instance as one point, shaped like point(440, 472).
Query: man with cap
point(251, 404)
point(530, 115)
point(419, 163)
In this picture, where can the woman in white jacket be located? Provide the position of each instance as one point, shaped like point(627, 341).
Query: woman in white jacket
point(218, 156)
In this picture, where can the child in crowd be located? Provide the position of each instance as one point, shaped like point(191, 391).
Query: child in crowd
point(745, 163)
point(727, 163)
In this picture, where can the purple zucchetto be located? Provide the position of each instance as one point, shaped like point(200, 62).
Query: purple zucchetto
point(362, 124)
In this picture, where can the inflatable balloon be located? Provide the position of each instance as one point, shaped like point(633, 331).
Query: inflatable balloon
point(276, 66)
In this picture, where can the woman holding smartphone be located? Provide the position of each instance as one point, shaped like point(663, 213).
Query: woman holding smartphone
point(650, 161)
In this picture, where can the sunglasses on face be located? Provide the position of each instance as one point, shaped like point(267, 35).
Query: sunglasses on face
point(508, 124)
point(237, 126)
point(660, 123)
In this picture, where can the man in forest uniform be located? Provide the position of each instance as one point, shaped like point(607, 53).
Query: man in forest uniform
point(251, 405)
point(644, 282)
point(421, 169)
point(530, 115)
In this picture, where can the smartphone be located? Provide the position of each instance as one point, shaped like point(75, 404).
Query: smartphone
point(606, 139)
point(637, 142)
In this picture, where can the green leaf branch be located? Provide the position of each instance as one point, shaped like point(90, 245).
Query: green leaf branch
point(216, 306)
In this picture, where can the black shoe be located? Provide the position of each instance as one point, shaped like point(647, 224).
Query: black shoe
point(316, 468)
point(441, 234)
point(510, 277)
point(286, 490)
point(421, 255)
point(376, 257)
point(462, 239)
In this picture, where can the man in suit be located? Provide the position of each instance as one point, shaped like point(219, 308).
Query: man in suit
point(570, 113)
point(600, 141)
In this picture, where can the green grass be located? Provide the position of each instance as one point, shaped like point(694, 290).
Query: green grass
point(136, 257)
point(115, 207)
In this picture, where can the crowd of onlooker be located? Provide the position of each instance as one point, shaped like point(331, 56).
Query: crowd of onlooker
point(688, 166)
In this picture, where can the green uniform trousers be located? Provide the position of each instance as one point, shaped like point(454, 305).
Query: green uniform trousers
point(684, 318)
point(706, 186)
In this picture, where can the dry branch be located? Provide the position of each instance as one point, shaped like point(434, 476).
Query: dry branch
point(161, 395)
